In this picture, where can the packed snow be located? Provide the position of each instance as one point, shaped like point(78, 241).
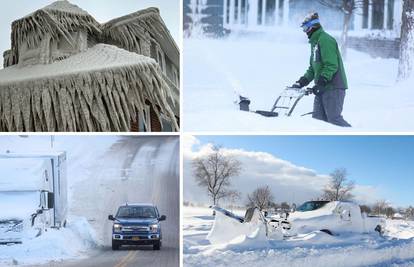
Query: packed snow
point(261, 66)
point(316, 248)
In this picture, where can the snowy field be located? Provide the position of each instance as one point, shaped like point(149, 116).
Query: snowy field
point(261, 67)
point(316, 249)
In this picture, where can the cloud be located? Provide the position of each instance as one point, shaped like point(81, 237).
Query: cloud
point(289, 182)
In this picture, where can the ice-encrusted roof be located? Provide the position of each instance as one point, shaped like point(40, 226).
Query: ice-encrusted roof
point(101, 89)
point(58, 18)
point(99, 57)
point(126, 28)
point(61, 6)
point(66, 6)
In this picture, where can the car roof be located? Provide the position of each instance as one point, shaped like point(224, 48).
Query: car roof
point(138, 204)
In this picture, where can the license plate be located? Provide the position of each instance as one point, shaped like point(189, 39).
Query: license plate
point(135, 238)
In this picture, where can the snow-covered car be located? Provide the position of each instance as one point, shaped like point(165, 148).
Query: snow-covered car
point(137, 224)
point(334, 218)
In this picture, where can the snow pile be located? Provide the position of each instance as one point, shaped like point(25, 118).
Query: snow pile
point(260, 68)
point(225, 229)
point(70, 242)
point(400, 229)
point(315, 248)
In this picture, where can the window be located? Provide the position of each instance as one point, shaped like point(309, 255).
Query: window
point(145, 118)
point(390, 17)
point(378, 14)
point(259, 12)
point(270, 11)
point(228, 11)
point(166, 124)
point(243, 11)
point(365, 10)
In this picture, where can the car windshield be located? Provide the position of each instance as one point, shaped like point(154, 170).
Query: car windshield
point(136, 212)
point(311, 205)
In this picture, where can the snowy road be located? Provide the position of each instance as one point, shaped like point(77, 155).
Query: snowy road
point(144, 169)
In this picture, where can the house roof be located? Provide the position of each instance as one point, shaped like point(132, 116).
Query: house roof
point(99, 57)
point(101, 89)
point(58, 18)
point(136, 23)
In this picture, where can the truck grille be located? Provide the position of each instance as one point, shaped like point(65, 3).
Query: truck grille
point(135, 228)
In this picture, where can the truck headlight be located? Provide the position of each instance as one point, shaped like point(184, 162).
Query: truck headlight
point(154, 228)
point(117, 227)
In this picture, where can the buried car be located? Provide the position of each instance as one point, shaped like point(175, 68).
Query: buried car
point(137, 224)
point(331, 217)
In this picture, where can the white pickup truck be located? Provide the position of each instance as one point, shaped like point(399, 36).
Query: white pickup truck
point(333, 218)
point(33, 194)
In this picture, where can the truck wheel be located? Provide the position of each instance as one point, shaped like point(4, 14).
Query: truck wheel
point(115, 245)
point(156, 245)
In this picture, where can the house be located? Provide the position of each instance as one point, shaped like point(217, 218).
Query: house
point(67, 72)
point(372, 20)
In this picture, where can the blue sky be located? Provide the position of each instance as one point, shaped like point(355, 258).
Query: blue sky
point(383, 161)
point(102, 10)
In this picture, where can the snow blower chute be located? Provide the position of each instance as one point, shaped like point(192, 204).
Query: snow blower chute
point(284, 104)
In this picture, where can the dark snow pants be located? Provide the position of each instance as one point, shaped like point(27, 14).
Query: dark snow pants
point(328, 107)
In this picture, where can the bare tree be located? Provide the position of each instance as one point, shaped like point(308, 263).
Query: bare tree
point(380, 207)
point(409, 213)
point(214, 172)
point(261, 198)
point(233, 196)
point(347, 7)
point(338, 188)
point(406, 61)
point(284, 206)
point(365, 209)
point(389, 211)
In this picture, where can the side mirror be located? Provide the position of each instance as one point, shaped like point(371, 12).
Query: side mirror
point(47, 200)
point(111, 218)
point(162, 218)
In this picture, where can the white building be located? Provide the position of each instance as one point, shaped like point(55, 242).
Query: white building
point(262, 15)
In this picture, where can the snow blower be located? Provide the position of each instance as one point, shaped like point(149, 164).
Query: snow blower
point(284, 104)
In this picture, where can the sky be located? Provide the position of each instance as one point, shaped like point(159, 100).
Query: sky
point(101, 10)
point(381, 165)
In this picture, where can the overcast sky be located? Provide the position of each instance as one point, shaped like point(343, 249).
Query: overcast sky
point(101, 10)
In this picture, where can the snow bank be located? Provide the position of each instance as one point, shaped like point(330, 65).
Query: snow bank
point(312, 249)
point(225, 229)
point(53, 245)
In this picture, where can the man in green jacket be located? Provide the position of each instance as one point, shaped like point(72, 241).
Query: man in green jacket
point(328, 72)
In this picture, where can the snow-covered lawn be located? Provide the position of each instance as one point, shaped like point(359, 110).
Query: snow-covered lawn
point(316, 249)
point(260, 68)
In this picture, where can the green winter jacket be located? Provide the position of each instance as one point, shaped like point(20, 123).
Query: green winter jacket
point(326, 61)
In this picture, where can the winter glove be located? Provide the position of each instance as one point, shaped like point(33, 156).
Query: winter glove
point(300, 83)
point(320, 86)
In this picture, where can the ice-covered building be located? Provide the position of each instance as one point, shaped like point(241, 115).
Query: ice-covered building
point(67, 72)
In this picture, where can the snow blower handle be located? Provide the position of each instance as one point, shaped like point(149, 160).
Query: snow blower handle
point(308, 91)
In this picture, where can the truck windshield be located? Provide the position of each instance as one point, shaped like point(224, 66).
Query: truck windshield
point(311, 205)
point(136, 212)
